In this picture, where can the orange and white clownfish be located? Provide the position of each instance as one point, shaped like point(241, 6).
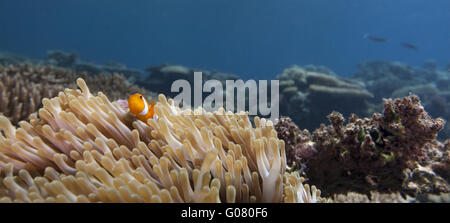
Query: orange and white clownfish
point(140, 107)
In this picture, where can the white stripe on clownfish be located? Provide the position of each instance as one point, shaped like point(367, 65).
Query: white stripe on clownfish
point(145, 110)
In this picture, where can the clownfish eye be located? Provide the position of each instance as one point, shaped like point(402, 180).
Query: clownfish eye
point(140, 97)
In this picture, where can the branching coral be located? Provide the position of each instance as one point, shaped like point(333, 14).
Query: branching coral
point(23, 87)
point(90, 150)
point(371, 153)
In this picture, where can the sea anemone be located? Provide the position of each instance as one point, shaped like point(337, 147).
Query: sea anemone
point(83, 148)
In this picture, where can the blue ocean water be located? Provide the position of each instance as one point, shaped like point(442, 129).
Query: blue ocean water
point(251, 38)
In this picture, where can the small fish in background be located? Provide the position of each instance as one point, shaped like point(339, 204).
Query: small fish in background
point(374, 38)
point(140, 107)
point(410, 46)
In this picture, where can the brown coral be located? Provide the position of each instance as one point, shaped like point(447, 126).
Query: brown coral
point(371, 153)
point(23, 87)
point(84, 148)
point(298, 143)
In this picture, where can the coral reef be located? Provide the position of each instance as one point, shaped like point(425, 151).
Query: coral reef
point(288, 131)
point(383, 77)
point(319, 69)
point(161, 77)
point(23, 86)
point(10, 58)
point(371, 153)
point(432, 175)
point(61, 59)
point(297, 142)
point(83, 148)
point(72, 61)
point(116, 86)
point(441, 160)
point(393, 79)
point(307, 96)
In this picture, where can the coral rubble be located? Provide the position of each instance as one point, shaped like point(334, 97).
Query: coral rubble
point(431, 175)
point(83, 148)
point(433, 198)
point(375, 197)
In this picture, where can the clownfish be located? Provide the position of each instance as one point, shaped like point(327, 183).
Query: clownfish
point(140, 107)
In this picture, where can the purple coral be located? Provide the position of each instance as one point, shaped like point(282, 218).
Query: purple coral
point(370, 153)
point(288, 131)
